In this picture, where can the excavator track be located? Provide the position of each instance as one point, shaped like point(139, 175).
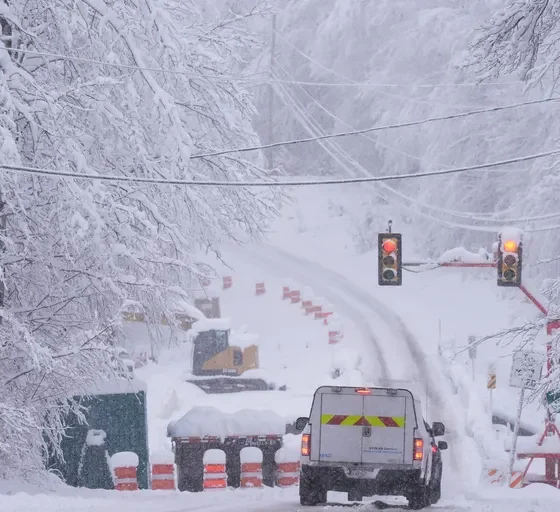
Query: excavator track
point(218, 385)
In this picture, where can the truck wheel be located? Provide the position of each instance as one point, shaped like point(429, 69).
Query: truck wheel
point(435, 489)
point(420, 499)
point(311, 491)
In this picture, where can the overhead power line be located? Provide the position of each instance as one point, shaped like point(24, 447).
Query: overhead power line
point(264, 80)
point(295, 183)
point(377, 128)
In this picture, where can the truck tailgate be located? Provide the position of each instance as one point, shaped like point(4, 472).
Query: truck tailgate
point(386, 439)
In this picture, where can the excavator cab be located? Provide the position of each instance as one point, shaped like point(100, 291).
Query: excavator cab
point(223, 365)
point(212, 355)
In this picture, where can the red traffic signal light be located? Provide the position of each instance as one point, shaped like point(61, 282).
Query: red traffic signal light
point(390, 245)
point(390, 259)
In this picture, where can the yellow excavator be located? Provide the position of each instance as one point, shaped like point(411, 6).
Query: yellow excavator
point(217, 367)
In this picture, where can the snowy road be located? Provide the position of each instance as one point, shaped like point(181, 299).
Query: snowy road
point(534, 498)
point(392, 351)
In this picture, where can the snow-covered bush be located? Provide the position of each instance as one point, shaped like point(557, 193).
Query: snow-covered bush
point(74, 249)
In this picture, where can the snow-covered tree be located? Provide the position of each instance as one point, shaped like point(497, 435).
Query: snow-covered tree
point(74, 249)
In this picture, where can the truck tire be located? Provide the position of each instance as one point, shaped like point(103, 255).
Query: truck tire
point(311, 491)
point(435, 485)
point(420, 499)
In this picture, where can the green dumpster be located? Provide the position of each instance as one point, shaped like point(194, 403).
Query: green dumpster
point(121, 413)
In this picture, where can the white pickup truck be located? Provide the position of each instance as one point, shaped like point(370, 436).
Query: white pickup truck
point(369, 442)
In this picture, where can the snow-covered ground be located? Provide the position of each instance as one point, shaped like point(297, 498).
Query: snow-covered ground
point(409, 333)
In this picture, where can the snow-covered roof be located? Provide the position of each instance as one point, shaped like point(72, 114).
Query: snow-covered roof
point(208, 421)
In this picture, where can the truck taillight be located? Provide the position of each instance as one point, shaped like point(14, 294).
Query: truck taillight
point(418, 449)
point(306, 445)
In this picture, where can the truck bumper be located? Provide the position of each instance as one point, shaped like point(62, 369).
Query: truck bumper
point(388, 482)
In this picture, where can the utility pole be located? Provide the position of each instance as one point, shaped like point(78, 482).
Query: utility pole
point(271, 93)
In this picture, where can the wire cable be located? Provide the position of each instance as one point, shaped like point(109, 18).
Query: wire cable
point(376, 128)
point(295, 183)
point(488, 218)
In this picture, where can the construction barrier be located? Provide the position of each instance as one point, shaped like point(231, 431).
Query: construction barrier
point(163, 477)
point(215, 476)
point(295, 296)
point(306, 304)
point(124, 466)
point(334, 337)
point(287, 466)
point(320, 315)
point(516, 480)
point(286, 294)
point(260, 289)
point(251, 467)
point(312, 309)
point(227, 282)
point(494, 476)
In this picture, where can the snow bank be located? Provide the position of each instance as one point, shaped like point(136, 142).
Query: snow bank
point(124, 460)
point(96, 437)
point(290, 450)
point(214, 456)
point(208, 421)
point(251, 454)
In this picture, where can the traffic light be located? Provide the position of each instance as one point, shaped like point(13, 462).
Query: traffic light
point(390, 259)
point(509, 261)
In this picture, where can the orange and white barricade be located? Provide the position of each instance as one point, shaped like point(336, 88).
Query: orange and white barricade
point(260, 289)
point(286, 293)
point(124, 466)
point(215, 476)
point(251, 467)
point(163, 472)
point(516, 480)
point(227, 282)
point(295, 296)
point(287, 467)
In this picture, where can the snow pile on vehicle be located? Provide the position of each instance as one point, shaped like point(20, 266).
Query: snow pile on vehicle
point(243, 338)
point(208, 421)
point(208, 324)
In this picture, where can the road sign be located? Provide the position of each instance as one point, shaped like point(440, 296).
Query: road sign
point(491, 384)
point(526, 369)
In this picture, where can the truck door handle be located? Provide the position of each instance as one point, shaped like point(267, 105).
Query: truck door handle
point(366, 431)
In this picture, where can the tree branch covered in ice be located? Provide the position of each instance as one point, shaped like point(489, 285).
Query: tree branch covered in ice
point(74, 250)
point(522, 37)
